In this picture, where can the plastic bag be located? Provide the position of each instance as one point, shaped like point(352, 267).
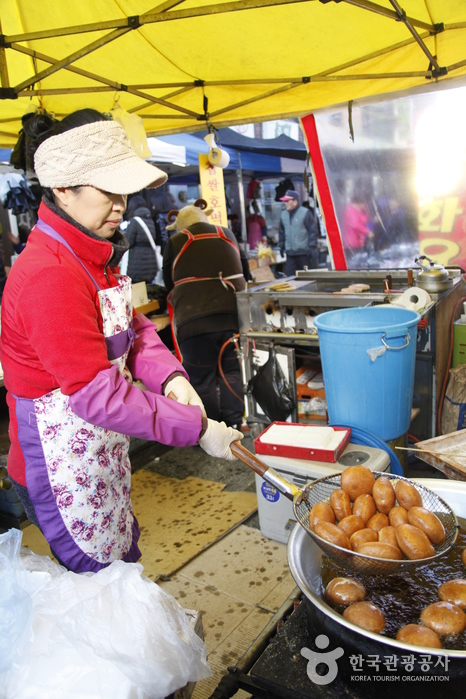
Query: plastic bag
point(454, 405)
point(108, 635)
point(271, 390)
point(134, 127)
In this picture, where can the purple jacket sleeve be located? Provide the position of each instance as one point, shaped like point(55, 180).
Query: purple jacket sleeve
point(150, 360)
point(111, 402)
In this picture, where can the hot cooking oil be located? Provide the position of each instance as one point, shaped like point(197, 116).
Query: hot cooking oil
point(402, 598)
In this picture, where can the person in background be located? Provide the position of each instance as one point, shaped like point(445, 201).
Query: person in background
point(71, 346)
point(297, 235)
point(356, 227)
point(202, 270)
point(142, 259)
point(160, 203)
point(257, 230)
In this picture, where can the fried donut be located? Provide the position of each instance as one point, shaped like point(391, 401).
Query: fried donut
point(321, 512)
point(364, 507)
point(366, 615)
point(362, 536)
point(332, 534)
point(454, 591)
point(398, 515)
point(383, 494)
point(419, 635)
point(428, 522)
point(387, 536)
point(357, 480)
point(378, 521)
point(351, 524)
point(407, 495)
point(413, 542)
point(340, 504)
point(444, 618)
point(345, 591)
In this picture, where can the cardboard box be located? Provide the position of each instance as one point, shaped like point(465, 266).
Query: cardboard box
point(309, 385)
point(263, 274)
point(265, 261)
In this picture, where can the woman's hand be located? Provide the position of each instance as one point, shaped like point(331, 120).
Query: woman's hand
point(181, 390)
point(217, 438)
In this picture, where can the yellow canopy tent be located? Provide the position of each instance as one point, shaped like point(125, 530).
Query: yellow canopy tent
point(182, 64)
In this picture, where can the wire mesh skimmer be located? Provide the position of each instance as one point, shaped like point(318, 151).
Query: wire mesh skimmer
point(320, 491)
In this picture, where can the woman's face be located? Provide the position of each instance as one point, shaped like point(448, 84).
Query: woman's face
point(100, 212)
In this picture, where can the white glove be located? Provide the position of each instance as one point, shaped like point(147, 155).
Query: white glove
point(217, 438)
point(181, 390)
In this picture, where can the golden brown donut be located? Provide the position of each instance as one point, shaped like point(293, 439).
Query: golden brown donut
point(378, 521)
point(331, 533)
point(357, 480)
point(366, 615)
point(380, 549)
point(398, 515)
point(419, 635)
point(391, 556)
point(362, 536)
point(444, 618)
point(413, 542)
point(351, 524)
point(364, 507)
point(407, 495)
point(321, 512)
point(340, 504)
point(428, 522)
point(383, 494)
point(454, 591)
point(387, 536)
point(463, 556)
point(345, 591)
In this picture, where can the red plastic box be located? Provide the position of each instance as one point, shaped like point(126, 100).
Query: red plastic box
point(296, 435)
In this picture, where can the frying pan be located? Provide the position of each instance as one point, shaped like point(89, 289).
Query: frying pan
point(320, 490)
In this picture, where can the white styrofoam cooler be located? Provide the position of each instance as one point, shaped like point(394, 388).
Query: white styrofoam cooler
point(276, 515)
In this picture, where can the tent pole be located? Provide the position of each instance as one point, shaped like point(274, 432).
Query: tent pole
point(239, 176)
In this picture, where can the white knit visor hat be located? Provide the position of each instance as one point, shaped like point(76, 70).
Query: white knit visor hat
point(97, 154)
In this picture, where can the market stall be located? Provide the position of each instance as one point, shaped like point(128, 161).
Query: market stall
point(58, 57)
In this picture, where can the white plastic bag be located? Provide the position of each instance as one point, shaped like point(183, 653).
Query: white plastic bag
point(108, 635)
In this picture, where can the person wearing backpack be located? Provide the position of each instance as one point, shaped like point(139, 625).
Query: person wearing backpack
point(142, 259)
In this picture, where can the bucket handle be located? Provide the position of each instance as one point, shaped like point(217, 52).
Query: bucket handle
point(396, 348)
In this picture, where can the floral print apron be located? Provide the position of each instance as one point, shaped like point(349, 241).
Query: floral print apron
point(79, 475)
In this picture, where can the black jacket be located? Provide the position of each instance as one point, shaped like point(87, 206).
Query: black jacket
point(142, 263)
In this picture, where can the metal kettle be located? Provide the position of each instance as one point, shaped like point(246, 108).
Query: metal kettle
point(434, 276)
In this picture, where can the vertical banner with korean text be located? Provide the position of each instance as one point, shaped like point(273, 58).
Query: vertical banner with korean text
point(213, 190)
point(442, 227)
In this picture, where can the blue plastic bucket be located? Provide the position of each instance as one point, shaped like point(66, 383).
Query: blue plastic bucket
point(368, 358)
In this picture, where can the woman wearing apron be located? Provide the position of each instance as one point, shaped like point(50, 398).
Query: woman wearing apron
point(71, 346)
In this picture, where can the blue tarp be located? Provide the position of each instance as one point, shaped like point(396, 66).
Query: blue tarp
point(283, 146)
point(261, 164)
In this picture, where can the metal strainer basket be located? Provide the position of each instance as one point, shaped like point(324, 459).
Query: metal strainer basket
point(320, 491)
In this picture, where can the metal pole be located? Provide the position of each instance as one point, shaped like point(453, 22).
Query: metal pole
point(239, 176)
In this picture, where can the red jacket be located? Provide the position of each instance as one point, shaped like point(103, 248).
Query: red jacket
point(66, 349)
